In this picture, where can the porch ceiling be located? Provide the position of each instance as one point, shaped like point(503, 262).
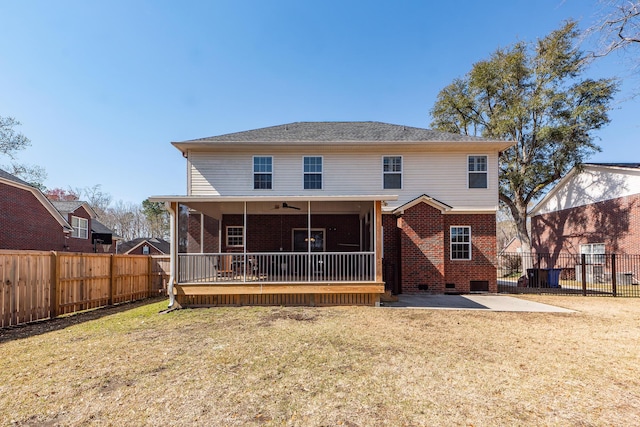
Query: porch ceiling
point(214, 206)
point(275, 198)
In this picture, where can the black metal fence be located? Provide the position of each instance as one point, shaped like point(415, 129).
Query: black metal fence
point(569, 274)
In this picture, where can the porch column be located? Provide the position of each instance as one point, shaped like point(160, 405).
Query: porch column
point(309, 263)
point(244, 243)
point(172, 207)
point(377, 227)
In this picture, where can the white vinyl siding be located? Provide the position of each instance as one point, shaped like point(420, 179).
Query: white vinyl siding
point(595, 184)
point(347, 172)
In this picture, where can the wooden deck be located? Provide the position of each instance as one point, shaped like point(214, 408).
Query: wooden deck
point(315, 294)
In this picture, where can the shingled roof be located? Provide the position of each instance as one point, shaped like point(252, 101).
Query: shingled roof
point(8, 176)
point(617, 165)
point(337, 132)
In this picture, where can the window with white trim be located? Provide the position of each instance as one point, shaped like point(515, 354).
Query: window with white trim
point(262, 172)
point(80, 227)
point(477, 171)
point(392, 172)
point(312, 173)
point(460, 240)
point(594, 253)
point(235, 236)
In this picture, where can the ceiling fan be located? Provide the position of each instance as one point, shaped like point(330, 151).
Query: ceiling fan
point(285, 205)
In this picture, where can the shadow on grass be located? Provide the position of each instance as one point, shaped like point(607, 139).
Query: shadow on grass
point(40, 327)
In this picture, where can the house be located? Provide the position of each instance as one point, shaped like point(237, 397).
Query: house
point(592, 210)
point(89, 234)
point(512, 246)
point(332, 212)
point(30, 221)
point(145, 246)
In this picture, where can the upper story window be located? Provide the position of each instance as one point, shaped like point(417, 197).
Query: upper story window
point(460, 239)
point(392, 172)
point(80, 227)
point(235, 236)
point(145, 250)
point(312, 173)
point(262, 173)
point(477, 171)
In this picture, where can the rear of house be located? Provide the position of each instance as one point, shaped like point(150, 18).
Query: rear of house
point(334, 213)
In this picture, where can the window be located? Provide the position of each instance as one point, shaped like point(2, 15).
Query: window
point(145, 250)
point(594, 253)
point(477, 171)
point(460, 243)
point(312, 173)
point(80, 227)
point(262, 173)
point(235, 236)
point(392, 172)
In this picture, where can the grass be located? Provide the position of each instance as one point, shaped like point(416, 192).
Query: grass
point(350, 366)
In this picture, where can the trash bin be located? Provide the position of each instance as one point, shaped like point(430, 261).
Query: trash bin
point(553, 277)
point(537, 277)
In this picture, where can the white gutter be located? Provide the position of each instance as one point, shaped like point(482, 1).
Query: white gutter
point(172, 253)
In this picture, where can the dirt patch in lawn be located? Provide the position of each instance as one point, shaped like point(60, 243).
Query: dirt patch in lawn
point(353, 366)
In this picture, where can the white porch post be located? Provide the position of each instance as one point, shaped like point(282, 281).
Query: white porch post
point(172, 207)
point(244, 244)
point(377, 232)
point(309, 264)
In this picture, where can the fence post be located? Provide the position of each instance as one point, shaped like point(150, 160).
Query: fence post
point(150, 276)
point(111, 268)
point(53, 290)
point(614, 279)
point(583, 268)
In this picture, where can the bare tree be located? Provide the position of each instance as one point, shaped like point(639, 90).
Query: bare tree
point(10, 143)
point(617, 27)
point(98, 199)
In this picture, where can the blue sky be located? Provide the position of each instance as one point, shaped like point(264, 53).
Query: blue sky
point(102, 88)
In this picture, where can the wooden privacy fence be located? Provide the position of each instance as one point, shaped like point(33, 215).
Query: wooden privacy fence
point(40, 285)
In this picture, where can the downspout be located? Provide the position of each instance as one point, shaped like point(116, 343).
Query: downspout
point(172, 252)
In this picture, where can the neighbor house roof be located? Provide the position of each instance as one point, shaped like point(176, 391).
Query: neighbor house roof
point(70, 206)
point(100, 228)
point(6, 175)
point(335, 132)
point(160, 244)
point(616, 165)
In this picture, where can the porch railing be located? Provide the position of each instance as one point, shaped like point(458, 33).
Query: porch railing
point(277, 267)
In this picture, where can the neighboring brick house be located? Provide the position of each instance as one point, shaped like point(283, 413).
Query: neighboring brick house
point(89, 234)
point(30, 221)
point(144, 246)
point(595, 210)
point(321, 208)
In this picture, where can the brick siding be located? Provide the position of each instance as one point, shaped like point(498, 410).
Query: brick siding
point(26, 224)
point(272, 233)
point(426, 264)
point(615, 222)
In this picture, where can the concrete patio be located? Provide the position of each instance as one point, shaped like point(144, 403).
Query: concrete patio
point(473, 302)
